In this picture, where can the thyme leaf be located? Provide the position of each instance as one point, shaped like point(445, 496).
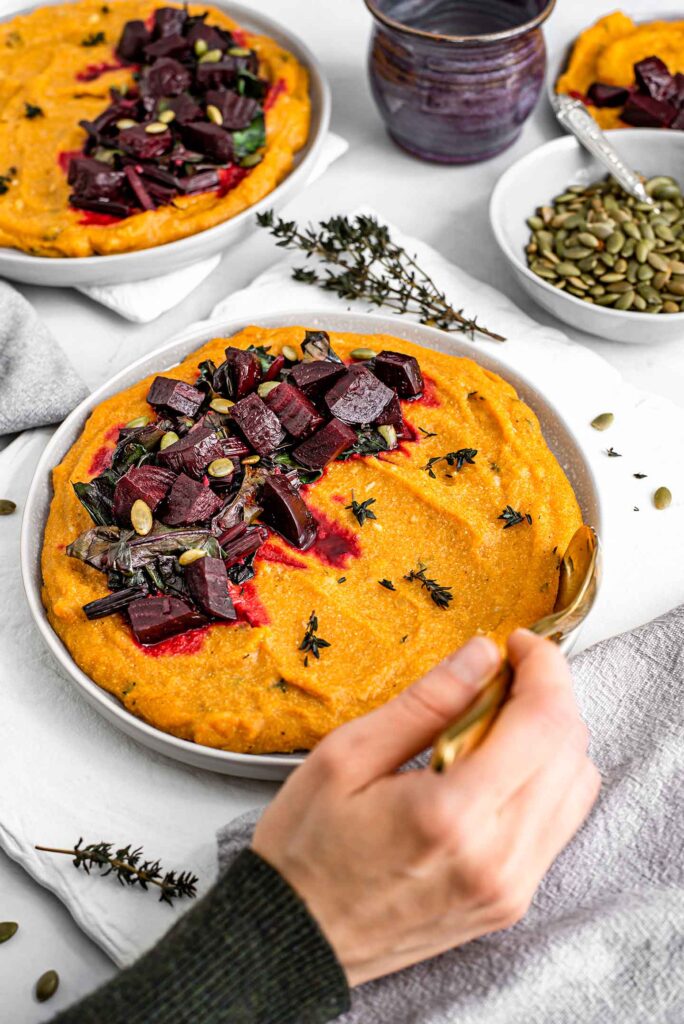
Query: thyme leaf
point(512, 518)
point(361, 509)
point(361, 261)
point(387, 584)
point(427, 433)
point(31, 111)
point(311, 642)
point(460, 458)
point(439, 593)
point(94, 39)
point(612, 454)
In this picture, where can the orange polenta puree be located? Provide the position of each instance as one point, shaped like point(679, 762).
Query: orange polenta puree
point(247, 688)
point(608, 51)
point(41, 57)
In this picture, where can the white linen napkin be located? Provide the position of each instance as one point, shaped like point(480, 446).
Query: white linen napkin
point(69, 774)
point(143, 301)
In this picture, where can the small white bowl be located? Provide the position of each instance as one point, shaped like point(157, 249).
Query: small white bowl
point(535, 179)
point(70, 272)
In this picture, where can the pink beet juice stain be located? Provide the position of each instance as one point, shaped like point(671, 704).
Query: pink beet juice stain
point(268, 552)
point(248, 605)
point(93, 71)
point(335, 545)
point(429, 398)
point(103, 456)
point(275, 90)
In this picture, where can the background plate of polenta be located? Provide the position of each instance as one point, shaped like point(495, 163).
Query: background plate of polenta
point(379, 638)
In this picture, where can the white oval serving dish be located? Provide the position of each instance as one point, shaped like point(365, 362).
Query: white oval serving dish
point(261, 766)
point(162, 259)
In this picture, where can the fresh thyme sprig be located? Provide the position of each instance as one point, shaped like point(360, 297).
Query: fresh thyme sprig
point(458, 459)
point(312, 643)
point(361, 509)
point(130, 869)
point(387, 584)
point(512, 518)
point(440, 594)
point(370, 266)
point(427, 433)
point(32, 111)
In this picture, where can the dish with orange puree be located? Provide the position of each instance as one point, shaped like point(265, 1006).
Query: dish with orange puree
point(291, 526)
point(127, 125)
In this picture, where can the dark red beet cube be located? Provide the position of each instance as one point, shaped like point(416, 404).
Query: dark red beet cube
point(215, 38)
point(94, 179)
point(148, 483)
point(286, 512)
point(215, 76)
point(193, 453)
point(239, 374)
point(645, 112)
point(260, 427)
point(275, 368)
point(294, 410)
point(169, 393)
point(168, 46)
point(316, 377)
point(234, 448)
point(190, 502)
point(358, 397)
point(603, 95)
point(207, 581)
point(210, 139)
point(240, 541)
point(166, 77)
point(237, 111)
point(169, 21)
point(144, 146)
point(400, 372)
point(325, 445)
point(154, 619)
point(185, 109)
point(131, 45)
point(654, 78)
point(392, 416)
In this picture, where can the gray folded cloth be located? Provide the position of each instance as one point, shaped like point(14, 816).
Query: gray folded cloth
point(603, 942)
point(37, 383)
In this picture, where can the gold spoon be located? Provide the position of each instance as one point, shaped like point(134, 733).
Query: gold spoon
point(577, 586)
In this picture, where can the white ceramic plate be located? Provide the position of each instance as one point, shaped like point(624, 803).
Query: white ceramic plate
point(262, 766)
point(546, 172)
point(162, 259)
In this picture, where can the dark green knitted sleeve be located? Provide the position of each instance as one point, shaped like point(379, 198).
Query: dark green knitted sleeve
point(248, 953)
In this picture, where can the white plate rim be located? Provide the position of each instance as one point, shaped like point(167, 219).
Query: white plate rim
point(161, 359)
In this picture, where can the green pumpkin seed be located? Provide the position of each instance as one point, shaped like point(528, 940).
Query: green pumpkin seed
point(640, 303)
point(46, 986)
point(603, 421)
point(566, 269)
point(606, 300)
point(363, 353)
point(542, 270)
point(251, 460)
point(661, 278)
point(677, 267)
point(201, 47)
point(615, 242)
point(389, 435)
point(169, 438)
point(220, 468)
point(221, 405)
point(156, 128)
point(649, 293)
point(602, 231)
point(7, 507)
point(536, 223)
point(625, 301)
point(597, 290)
point(657, 261)
point(628, 248)
point(670, 306)
point(642, 250)
point(239, 51)
point(125, 122)
point(191, 555)
point(290, 353)
point(214, 114)
point(575, 220)
point(612, 276)
point(139, 421)
point(267, 387)
point(662, 498)
point(7, 930)
point(588, 239)
point(647, 232)
point(167, 116)
point(645, 272)
point(664, 232)
point(577, 253)
point(676, 287)
point(210, 57)
point(142, 520)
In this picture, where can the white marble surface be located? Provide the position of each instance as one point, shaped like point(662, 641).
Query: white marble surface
point(447, 207)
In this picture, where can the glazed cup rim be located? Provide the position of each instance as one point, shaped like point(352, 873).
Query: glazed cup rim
point(490, 37)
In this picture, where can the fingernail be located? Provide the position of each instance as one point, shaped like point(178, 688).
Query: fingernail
point(475, 660)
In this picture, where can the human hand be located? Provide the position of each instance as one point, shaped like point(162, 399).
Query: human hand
point(398, 867)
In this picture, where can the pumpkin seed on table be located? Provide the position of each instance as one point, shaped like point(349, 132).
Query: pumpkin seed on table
point(7, 930)
point(7, 507)
point(47, 985)
point(602, 246)
point(662, 498)
point(603, 421)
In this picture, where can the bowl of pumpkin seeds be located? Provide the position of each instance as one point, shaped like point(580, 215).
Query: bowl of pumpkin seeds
point(588, 252)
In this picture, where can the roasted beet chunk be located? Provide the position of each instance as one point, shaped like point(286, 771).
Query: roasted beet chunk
point(237, 111)
point(211, 140)
point(215, 38)
point(286, 512)
point(168, 393)
point(154, 619)
point(132, 43)
point(358, 397)
point(258, 424)
point(166, 77)
point(654, 78)
point(645, 112)
point(169, 21)
point(94, 179)
point(207, 581)
point(215, 76)
point(241, 540)
point(392, 416)
point(168, 46)
point(325, 445)
point(238, 375)
point(315, 378)
point(185, 109)
point(294, 410)
point(193, 453)
point(602, 95)
point(190, 502)
point(400, 372)
point(148, 483)
point(144, 146)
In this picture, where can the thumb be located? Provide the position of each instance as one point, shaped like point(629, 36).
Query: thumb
point(383, 740)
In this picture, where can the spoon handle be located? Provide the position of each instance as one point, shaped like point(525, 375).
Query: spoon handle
point(575, 118)
point(466, 732)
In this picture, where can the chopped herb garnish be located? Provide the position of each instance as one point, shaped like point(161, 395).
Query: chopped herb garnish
point(611, 453)
point(512, 518)
point(636, 508)
point(31, 111)
point(362, 510)
point(342, 579)
point(495, 467)
point(94, 39)
point(311, 642)
point(280, 685)
point(440, 594)
point(404, 639)
point(458, 459)
point(387, 584)
point(427, 433)
point(6, 180)
point(639, 476)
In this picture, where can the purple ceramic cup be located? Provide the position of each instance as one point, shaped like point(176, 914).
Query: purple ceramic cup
point(455, 80)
